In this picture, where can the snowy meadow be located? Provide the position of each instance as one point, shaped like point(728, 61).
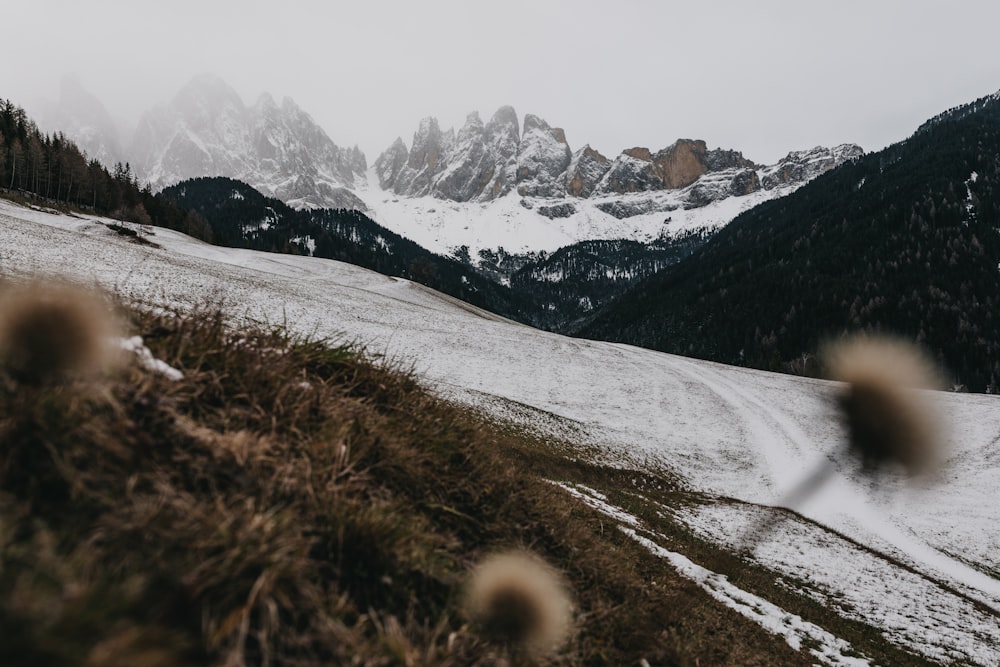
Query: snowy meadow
point(920, 563)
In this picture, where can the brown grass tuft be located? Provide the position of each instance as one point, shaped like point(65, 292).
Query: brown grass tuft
point(888, 421)
point(287, 502)
point(521, 602)
point(52, 330)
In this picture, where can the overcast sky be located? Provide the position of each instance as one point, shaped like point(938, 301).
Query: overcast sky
point(763, 77)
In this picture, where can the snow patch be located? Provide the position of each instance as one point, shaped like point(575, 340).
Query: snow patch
point(147, 360)
point(831, 649)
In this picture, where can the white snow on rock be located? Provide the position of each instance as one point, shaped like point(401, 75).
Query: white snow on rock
point(441, 226)
point(207, 130)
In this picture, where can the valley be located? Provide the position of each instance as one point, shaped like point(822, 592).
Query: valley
point(727, 443)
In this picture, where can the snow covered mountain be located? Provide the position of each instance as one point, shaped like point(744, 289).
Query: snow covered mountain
point(83, 118)
point(529, 219)
point(206, 130)
point(507, 183)
point(490, 186)
point(483, 163)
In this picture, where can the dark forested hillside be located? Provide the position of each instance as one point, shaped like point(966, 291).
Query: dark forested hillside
point(553, 291)
point(572, 283)
point(240, 216)
point(904, 241)
point(53, 168)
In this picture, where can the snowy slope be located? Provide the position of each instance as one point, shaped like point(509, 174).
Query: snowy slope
point(742, 435)
point(441, 225)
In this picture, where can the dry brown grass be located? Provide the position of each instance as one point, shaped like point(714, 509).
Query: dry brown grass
point(289, 503)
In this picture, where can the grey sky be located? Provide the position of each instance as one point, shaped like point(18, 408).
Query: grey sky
point(763, 77)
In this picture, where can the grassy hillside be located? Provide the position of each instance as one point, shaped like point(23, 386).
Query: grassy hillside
point(288, 502)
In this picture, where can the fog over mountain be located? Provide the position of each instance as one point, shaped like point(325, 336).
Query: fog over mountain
point(764, 78)
point(524, 169)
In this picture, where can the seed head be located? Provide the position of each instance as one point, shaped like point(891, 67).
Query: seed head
point(521, 602)
point(888, 420)
point(49, 332)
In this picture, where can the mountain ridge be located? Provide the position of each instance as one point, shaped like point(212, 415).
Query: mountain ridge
point(537, 161)
point(207, 130)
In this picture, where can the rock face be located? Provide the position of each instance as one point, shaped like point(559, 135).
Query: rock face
point(479, 164)
point(632, 171)
point(390, 163)
point(802, 166)
point(206, 130)
point(426, 159)
point(542, 158)
point(674, 167)
point(682, 163)
point(502, 137)
point(586, 169)
point(471, 166)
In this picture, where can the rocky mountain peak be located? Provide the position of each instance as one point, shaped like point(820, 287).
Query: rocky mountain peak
point(682, 163)
point(207, 130)
point(502, 139)
point(390, 163)
point(428, 157)
point(206, 98)
point(801, 166)
point(484, 162)
point(533, 122)
point(586, 169)
point(266, 102)
point(639, 153)
point(473, 124)
point(542, 158)
point(677, 166)
point(504, 124)
point(470, 163)
point(357, 160)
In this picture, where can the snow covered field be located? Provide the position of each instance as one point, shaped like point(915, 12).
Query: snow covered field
point(441, 225)
point(741, 436)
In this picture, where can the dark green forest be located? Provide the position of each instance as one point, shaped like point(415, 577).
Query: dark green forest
point(553, 291)
point(239, 216)
point(572, 283)
point(903, 241)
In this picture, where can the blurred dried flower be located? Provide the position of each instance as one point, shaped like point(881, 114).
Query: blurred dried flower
point(887, 418)
point(520, 601)
point(52, 330)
